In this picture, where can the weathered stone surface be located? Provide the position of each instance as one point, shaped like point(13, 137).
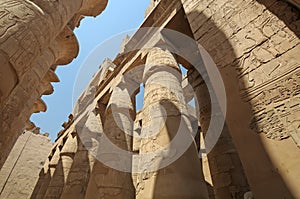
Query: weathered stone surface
point(225, 168)
point(255, 46)
point(34, 37)
point(60, 165)
point(20, 172)
point(106, 182)
point(164, 107)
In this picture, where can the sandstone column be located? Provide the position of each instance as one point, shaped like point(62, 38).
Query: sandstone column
point(225, 166)
point(28, 27)
point(44, 178)
point(80, 172)
point(17, 107)
point(79, 175)
point(55, 170)
point(62, 168)
point(28, 30)
point(165, 115)
point(109, 182)
point(67, 154)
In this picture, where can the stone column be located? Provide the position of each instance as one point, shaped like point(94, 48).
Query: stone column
point(67, 154)
point(107, 182)
point(28, 27)
point(165, 115)
point(62, 164)
point(63, 167)
point(28, 30)
point(17, 107)
point(79, 175)
point(225, 166)
point(53, 168)
point(80, 172)
point(40, 192)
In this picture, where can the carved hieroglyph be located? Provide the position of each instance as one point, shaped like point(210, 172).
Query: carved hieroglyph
point(35, 37)
point(255, 45)
point(269, 75)
point(118, 126)
point(277, 109)
point(164, 111)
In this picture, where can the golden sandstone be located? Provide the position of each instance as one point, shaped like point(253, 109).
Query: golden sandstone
point(110, 150)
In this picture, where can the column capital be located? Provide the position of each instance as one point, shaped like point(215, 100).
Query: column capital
point(160, 60)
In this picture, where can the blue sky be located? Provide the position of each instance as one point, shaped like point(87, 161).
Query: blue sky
point(118, 17)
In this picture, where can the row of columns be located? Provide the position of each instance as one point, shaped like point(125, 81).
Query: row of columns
point(225, 166)
point(107, 182)
point(35, 37)
point(51, 182)
point(168, 165)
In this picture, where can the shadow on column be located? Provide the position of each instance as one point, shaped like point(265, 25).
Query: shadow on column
point(42, 184)
point(173, 174)
point(79, 175)
point(262, 175)
point(56, 185)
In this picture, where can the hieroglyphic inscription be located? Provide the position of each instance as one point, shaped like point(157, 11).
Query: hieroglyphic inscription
point(277, 109)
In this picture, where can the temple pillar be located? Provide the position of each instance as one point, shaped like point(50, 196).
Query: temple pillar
point(165, 116)
point(29, 27)
point(54, 167)
point(63, 167)
point(107, 182)
point(60, 167)
point(225, 166)
point(16, 109)
point(34, 36)
point(43, 177)
point(80, 174)
point(67, 154)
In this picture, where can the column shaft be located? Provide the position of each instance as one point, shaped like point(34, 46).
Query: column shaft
point(67, 154)
point(225, 166)
point(30, 26)
point(63, 168)
point(79, 174)
point(165, 115)
point(109, 182)
point(27, 29)
point(55, 170)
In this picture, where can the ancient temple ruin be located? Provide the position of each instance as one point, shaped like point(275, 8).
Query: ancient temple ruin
point(109, 149)
point(20, 173)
